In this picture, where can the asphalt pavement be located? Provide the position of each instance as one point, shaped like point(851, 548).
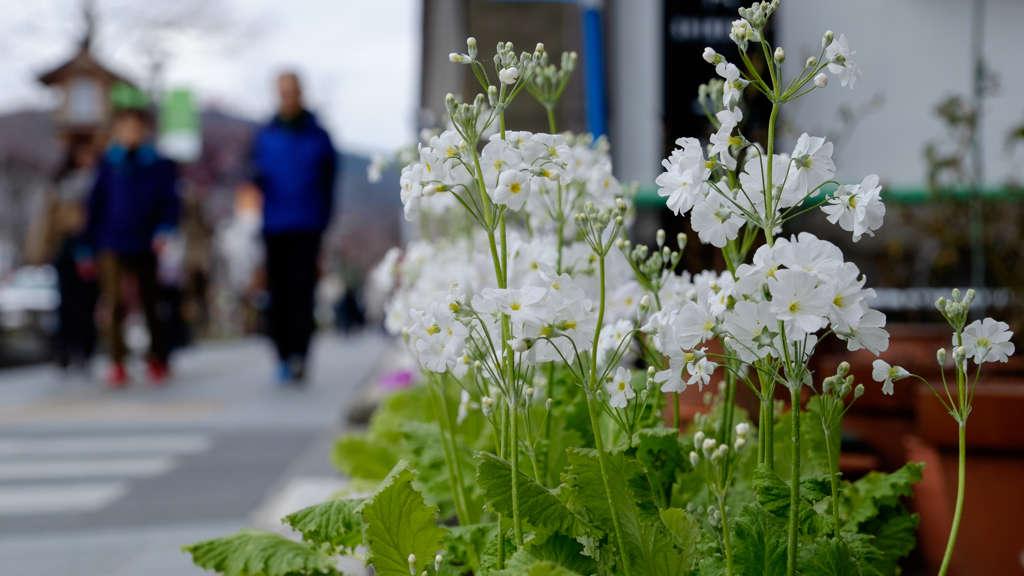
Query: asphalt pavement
point(97, 482)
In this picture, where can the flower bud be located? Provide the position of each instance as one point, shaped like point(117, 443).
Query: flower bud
point(742, 429)
point(956, 294)
point(843, 370)
point(710, 55)
point(651, 371)
point(437, 563)
point(821, 80)
point(780, 55)
point(694, 459)
point(519, 345)
point(548, 404)
point(455, 57)
point(708, 446)
point(969, 298)
point(660, 237)
point(858, 391)
point(739, 444)
point(681, 241)
point(959, 354)
point(941, 356)
point(812, 62)
point(412, 564)
point(698, 439)
point(471, 42)
point(529, 392)
point(827, 38)
point(487, 405)
point(429, 190)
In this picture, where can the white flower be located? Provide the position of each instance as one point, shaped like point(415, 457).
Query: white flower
point(522, 306)
point(715, 221)
point(987, 341)
point(840, 63)
point(561, 289)
point(700, 368)
point(613, 339)
point(821, 80)
point(683, 181)
point(571, 330)
point(412, 190)
point(734, 84)
point(882, 372)
point(869, 333)
point(858, 208)
point(750, 326)
point(752, 277)
point(465, 405)
point(511, 74)
point(812, 165)
point(709, 55)
point(723, 139)
point(798, 302)
point(695, 323)
point(807, 252)
point(742, 32)
point(619, 390)
point(513, 189)
point(672, 379)
point(847, 294)
point(498, 157)
point(439, 338)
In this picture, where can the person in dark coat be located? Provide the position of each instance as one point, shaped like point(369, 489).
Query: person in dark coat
point(133, 211)
point(294, 167)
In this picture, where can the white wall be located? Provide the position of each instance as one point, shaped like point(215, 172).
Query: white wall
point(914, 53)
point(634, 65)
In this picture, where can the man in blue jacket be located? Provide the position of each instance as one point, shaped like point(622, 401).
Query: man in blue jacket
point(133, 210)
point(294, 165)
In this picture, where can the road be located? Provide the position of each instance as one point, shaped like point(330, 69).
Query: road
point(112, 483)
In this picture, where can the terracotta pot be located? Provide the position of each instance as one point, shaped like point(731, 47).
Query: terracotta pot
point(991, 539)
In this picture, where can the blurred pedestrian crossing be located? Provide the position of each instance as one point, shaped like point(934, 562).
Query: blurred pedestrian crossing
point(67, 474)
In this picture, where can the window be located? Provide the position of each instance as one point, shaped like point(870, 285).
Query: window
point(84, 101)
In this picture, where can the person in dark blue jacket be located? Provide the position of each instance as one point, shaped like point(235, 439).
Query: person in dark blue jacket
point(294, 168)
point(133, 210)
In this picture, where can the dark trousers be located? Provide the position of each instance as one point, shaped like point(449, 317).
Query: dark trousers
point(112, 269)
point(76, 336)
point(291, 281)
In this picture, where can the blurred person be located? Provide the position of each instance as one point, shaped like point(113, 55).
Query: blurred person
point(294, 168)
point(133, 213)
point(57, 239)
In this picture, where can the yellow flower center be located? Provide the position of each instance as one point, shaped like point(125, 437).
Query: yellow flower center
point(515, 188)
point(433, 329)
point(515, 306)
point(622, 386)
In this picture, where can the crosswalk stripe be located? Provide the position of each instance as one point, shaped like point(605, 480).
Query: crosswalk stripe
point(173, 443)
point(56, 469)
point(58, 498)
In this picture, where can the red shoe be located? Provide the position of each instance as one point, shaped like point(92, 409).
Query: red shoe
point(118, 376)
point(157, 371)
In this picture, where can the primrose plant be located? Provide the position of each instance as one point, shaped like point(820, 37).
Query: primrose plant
point(552, 351)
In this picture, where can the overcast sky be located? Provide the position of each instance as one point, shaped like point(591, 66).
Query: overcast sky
point(359, 58)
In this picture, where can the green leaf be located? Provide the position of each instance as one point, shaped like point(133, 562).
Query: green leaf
point(537, 505)
point(661, 455)
point(686, 529)
point(649, 546)
point(773, 494)
point(397, 523)
point(876, 490)
point(257, 553)
point(467, 546)
point(334, 522)
point(759, 546)
point(557, 551)
point(364, 456)
point(526, 565)
point(829, 557)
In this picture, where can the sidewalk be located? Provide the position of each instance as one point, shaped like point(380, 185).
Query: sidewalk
point(98, 482)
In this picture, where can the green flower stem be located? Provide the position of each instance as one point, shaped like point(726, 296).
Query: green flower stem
point(961, 477)
point(768, 183)
point(504, 450)
point(833, 476)
point(675, 413)
point(794, 487)
point(517, 525)
point(551, 119)
point(599, 444)
point(595, 424)
point(451, 455)
point(725, 535)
